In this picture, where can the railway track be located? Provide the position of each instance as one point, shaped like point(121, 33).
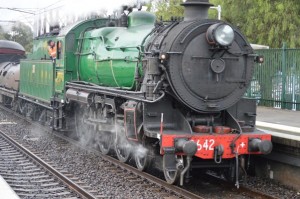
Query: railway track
point(242, 189)
point(137, 177)
point(134, 175)
point(180, 192)
point(30, 176)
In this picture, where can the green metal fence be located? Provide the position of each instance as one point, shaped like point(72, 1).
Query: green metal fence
point(276, 82)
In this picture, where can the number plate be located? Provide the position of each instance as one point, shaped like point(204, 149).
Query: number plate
point(206, 144)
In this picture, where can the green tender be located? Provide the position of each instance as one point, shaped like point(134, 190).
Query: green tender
point(42, 80)
point(36, 79)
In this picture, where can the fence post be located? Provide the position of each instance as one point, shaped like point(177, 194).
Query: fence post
point(294, 85)
point(283, 76)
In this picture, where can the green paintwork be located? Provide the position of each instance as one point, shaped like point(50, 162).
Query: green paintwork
point(37, 85)
point(110, 55)
point(90, 52)
point(73, 39)
point(40, 48)
point(36, 79)
point(39, 78)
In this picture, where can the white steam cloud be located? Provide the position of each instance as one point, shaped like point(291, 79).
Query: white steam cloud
point(40, 14)
point(65, 12)
point(90, 137)
point(89, 6)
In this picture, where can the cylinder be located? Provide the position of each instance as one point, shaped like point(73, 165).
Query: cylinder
point(78, 96)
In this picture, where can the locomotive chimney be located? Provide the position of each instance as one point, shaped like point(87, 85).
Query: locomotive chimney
point(196, 9)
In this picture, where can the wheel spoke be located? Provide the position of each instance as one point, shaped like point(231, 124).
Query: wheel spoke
point(142, 160)
point(104, 143)
point(122, 150)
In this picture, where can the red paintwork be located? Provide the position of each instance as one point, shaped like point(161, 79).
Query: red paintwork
point(206, 151)
point(222, 129)
point(11, 51)
point(201, 129)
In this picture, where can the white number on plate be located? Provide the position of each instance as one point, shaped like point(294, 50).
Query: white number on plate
point(207, 145)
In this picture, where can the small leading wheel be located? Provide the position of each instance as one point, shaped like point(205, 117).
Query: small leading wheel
point(105, 143)
point(171, 174)
point(122, 146)
point(142, 159)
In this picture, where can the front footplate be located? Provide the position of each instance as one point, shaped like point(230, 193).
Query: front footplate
point(231, 144)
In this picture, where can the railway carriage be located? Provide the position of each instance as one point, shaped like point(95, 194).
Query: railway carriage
point(10, 55)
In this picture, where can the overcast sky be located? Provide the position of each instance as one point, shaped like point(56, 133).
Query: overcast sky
point(64, 7)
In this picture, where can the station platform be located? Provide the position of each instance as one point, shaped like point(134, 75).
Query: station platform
point(6, 191)
point(283, 163)
point(279, 123)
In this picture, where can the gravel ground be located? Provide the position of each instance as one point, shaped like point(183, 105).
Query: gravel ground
point(28, 179)
point(89, 167)
point(267, 186)
point(113, 183)
point(272, 187)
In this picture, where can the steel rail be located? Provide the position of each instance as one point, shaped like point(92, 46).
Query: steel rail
point(69, 183)
point(255, 193)
point(172, 188)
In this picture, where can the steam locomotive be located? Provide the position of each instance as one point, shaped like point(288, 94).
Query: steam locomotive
point(173, 89)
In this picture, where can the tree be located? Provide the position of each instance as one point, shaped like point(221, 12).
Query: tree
point(269, 22)
point(166, 9)
point(22, 34)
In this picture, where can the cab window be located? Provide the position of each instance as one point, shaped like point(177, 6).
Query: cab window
point(59, 49)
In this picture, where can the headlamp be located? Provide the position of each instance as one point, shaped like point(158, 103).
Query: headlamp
point(220, 34)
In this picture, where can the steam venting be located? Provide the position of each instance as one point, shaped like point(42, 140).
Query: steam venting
point(196, 9)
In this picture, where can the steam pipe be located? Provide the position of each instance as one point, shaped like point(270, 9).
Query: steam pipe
point(116, 93)
point(189, 160)
point(189, 148)
point(219, 9)
point(95, 86)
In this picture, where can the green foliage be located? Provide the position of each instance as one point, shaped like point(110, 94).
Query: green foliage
point(166, 9)
point(22, 34)
point(268, 22)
